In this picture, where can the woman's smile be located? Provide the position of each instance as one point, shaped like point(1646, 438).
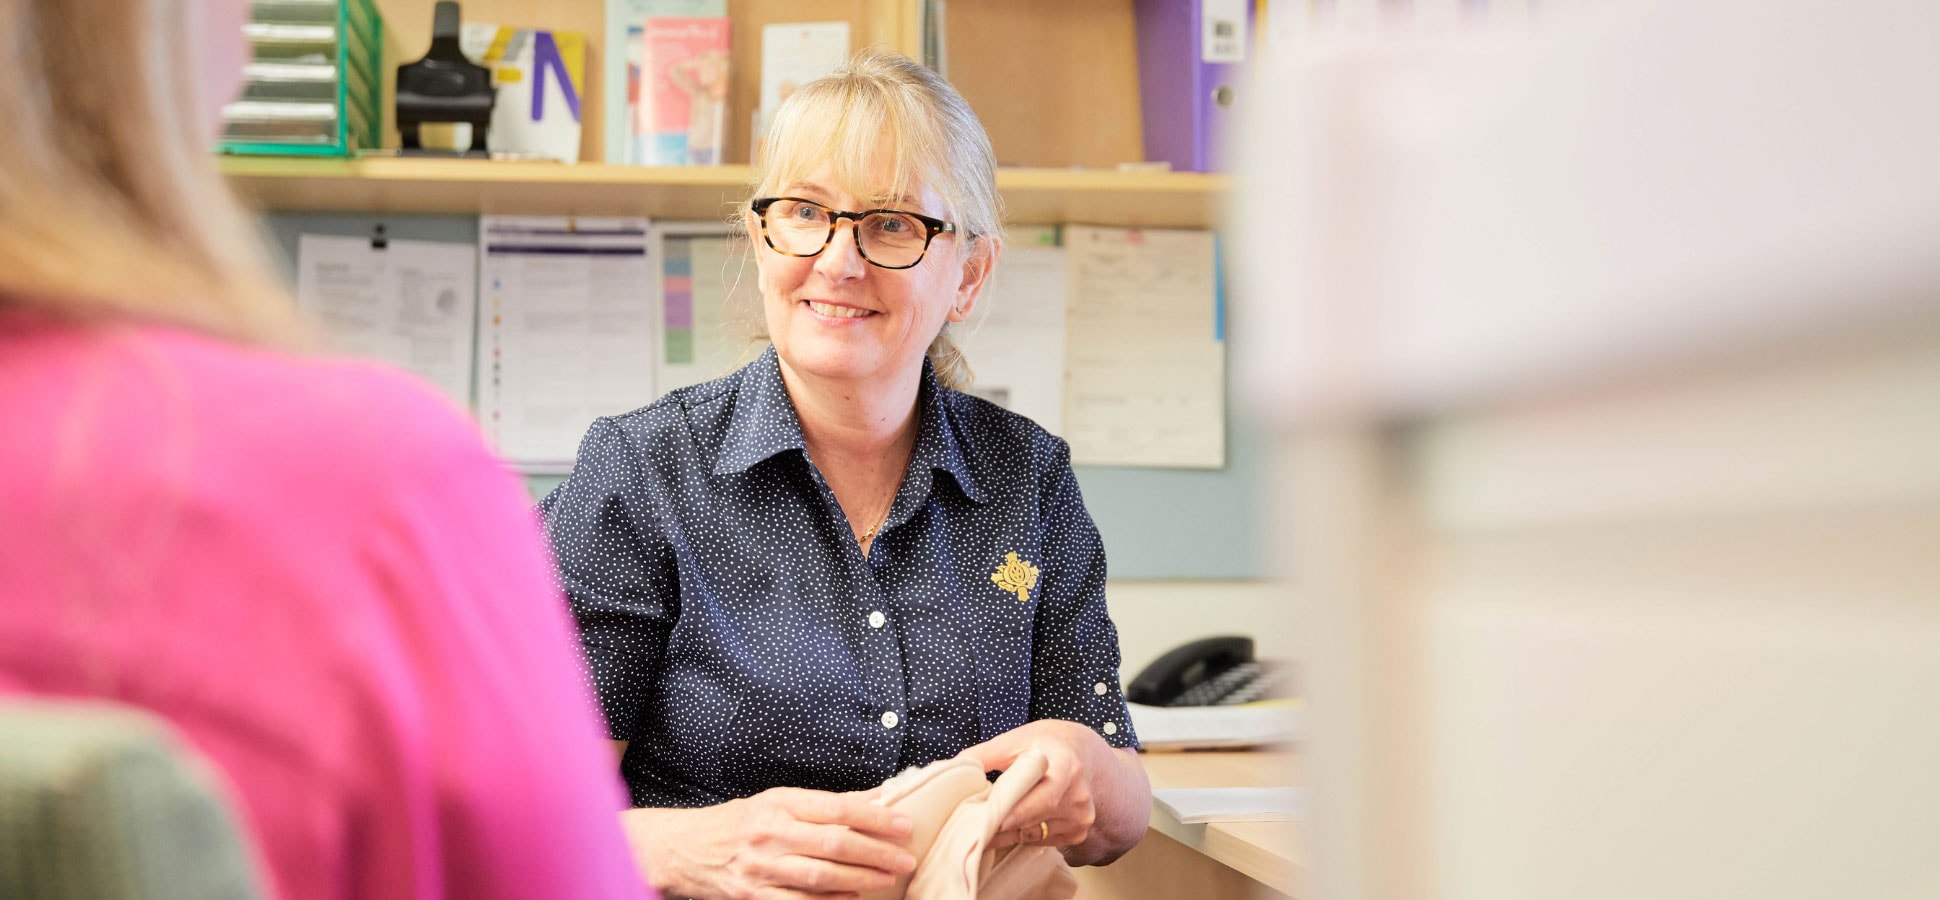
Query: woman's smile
point(836, 313)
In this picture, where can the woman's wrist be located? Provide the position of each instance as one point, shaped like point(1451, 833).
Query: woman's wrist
point(1122, 803)
point(667, 867)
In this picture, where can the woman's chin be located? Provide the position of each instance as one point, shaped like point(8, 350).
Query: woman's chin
point(833, 360)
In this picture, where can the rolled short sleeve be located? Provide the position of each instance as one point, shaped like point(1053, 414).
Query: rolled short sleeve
point(1074, 655)
point(617, 571)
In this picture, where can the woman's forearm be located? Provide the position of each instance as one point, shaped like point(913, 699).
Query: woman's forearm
point(1122, 799)
point(660, 861)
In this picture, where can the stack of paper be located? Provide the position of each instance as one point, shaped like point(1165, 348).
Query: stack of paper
point(1197, 806)
point(1246, 725)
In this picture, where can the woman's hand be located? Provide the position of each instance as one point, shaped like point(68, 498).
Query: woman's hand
point(780, 844)
point(1094, 800)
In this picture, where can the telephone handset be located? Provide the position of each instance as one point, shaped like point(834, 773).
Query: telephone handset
point(1215, 671)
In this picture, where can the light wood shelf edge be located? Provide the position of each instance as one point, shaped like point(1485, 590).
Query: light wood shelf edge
point(393, 185)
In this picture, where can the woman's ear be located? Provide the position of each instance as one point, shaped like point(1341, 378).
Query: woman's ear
point(977, 266)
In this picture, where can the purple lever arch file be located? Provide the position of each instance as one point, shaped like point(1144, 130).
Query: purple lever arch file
point(1191, 54)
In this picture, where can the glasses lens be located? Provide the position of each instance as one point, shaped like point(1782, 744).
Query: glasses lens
point(893, 239)
point(795, 226)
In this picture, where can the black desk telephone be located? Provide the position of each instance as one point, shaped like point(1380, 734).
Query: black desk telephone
point(1217, 671)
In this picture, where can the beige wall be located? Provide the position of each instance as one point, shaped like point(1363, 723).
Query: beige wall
point(1680, 638)
point(1155, 616)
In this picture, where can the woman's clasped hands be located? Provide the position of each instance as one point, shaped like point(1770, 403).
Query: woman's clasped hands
point(780, 844)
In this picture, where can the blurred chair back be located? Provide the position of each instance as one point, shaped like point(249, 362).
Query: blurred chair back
point(104, 802)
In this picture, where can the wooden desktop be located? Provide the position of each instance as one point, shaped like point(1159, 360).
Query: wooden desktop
point(1220, 861)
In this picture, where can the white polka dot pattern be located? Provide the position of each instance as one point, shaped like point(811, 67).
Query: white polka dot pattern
point(736, 635)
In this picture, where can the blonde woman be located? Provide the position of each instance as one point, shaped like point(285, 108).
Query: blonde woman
point(829, 566)
point(312, 568)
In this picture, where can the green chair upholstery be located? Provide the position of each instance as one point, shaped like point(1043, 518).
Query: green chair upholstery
point(104, 802)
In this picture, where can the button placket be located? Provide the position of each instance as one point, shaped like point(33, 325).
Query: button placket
point(880, 651)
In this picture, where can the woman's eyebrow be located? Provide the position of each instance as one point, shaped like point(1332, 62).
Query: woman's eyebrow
point(815, 191)
point(803, 187)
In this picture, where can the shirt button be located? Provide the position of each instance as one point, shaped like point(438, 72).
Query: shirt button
point(876, 619)
point(1110, 727)
point(889, 719)
point(1099, 689)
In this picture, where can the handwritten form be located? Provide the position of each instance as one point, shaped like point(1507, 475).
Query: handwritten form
point(1015, 338)
point(1146, 370)
point(566, 332)
point(410, 303)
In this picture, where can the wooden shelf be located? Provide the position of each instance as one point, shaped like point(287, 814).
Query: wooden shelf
point(394, 185)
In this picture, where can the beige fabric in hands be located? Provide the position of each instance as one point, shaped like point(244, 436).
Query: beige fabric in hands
point(955, 813)
point(929, 796)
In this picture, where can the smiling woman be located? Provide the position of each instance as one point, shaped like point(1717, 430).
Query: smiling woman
point(800, 579)
point(889, 133)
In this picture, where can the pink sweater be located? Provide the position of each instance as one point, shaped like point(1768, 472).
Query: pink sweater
point(316, 570)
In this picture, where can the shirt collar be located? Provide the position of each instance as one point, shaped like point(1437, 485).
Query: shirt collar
point(764, 424)
point(937, 446)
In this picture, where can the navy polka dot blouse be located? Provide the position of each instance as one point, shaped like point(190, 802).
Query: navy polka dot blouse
point(738, 637)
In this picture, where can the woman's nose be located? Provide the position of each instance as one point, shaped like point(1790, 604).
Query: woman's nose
point(842, 258)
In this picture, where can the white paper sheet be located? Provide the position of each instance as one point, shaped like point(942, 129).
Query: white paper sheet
point(710, 300)
point(410, 304)
point(1015, 340)
point(1200, 727)
point(1198, 806)
point(1146, 362)
point(566, 332)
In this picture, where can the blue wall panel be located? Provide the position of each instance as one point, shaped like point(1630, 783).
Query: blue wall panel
point(1157, 523)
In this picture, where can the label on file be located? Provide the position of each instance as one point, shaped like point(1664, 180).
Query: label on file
point(1222, 31)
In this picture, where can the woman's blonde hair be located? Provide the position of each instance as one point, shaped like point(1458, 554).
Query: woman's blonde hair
point(932, 136)
point(110, 202)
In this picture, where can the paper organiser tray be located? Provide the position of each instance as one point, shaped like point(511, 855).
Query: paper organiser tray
point(312, 86)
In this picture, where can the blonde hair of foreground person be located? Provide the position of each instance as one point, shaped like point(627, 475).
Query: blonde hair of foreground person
point(879, 100)
point(110, 203)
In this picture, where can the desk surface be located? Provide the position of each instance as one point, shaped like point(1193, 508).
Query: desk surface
point(1272, 853)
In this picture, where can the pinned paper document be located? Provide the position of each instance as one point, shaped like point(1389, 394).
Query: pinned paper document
point(566, 333)
point(1146, 352)
point(1015, 340)
point(710, 305)
point(408, 303)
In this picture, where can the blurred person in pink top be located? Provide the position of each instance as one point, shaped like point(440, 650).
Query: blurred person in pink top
point(313, 568)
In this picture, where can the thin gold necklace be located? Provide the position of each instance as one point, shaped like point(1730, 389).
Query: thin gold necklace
point(870, 534)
